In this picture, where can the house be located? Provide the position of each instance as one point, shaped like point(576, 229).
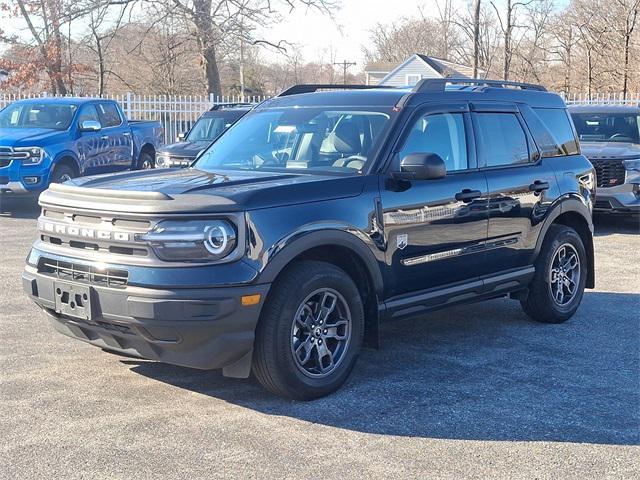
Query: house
point(412, 70)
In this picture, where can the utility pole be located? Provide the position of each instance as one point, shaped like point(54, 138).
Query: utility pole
point(345, 65)
point(476, 38)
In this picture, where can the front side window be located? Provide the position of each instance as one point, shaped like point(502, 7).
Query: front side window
point(109, 115)
point(607, 127)
point(37, 115)
point(88, 113)
point(441, 133)
point(501, 139)
point(310, 138)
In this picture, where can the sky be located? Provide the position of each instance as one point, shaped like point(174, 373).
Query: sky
point(347, 32)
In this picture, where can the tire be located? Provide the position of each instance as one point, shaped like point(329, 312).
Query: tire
point(551, 299)
point(62, 173)
point(298, 292)
point(146, 161)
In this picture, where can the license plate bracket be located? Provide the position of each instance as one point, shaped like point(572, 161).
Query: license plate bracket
point(73, 300)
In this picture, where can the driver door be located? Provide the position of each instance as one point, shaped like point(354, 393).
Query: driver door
point(436, 229)
point(92, 147)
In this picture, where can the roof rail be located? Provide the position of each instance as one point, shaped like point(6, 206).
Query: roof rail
point(313, 87)
point(439, 84)
point(218, 106)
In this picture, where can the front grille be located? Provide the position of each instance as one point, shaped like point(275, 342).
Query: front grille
point(7, 155)
point(609, 172)
point(63, 270)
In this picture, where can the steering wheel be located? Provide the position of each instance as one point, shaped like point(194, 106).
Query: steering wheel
point(618, 135)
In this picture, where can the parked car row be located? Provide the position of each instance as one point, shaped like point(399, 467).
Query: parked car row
point(52, 140)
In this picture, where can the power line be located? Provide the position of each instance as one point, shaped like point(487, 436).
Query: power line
point(345, 65)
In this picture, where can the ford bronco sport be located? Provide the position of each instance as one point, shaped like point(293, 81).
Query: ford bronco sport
point(322, 212)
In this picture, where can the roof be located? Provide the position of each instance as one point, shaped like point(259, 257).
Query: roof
point(444, 67)
point(63, 100)
point(605, 109)
point(389, 97)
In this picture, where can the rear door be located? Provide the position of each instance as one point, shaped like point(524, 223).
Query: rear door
point(117, 133)
point(435, 229)
point(521, 185)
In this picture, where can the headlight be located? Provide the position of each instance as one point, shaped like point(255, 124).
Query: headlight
point(192, 240)
point(34, 155)
point(632, 164)
point(162, 160)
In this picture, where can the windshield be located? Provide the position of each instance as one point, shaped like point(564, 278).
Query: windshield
point(607, 127)
point(37, 115)
point(328, 139)
point(209, 127)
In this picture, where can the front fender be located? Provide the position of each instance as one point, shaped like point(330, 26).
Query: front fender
point(290, 247)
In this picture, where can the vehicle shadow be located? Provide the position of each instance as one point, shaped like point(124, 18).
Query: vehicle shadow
point(481, 372)
point(610, 224)
point(23, 206)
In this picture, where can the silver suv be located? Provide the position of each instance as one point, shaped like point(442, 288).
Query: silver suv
point(610, 139)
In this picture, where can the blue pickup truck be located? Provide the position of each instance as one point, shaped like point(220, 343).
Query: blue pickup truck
point(51, 140)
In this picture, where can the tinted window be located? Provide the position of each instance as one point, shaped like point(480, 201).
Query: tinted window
point(501, 139)
point(607, 127)
point(88, 113)
point(314, 139)
point(557, 122)
point(441, 133)
point(109, 115)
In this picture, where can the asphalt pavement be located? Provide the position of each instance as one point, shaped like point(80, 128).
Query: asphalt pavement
point(472, 392)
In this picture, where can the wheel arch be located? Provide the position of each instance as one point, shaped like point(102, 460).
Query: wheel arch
point(345, 251)
point(574, 214)
point(67, 158)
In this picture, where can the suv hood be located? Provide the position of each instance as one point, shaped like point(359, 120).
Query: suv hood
point(184, 149)
point(192, 190)
point(610, 150)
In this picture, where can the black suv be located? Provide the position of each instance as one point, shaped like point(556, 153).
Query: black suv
point(209, 126)
point(319, 214)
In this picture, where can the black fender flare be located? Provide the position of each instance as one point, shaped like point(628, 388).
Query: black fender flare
point(575, 204)
point(306, 240)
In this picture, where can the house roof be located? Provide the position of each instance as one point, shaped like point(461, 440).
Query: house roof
point(443, 67)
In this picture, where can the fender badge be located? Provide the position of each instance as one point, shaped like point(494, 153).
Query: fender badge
point(402, 241)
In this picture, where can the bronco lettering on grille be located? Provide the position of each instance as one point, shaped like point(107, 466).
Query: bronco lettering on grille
point(83, 232)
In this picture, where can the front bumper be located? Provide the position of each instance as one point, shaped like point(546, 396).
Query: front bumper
point(18, 179)
point(622, 199)
point(205, 328)
point(164, 160)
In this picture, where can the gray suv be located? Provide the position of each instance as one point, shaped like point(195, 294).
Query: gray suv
point(610, 139)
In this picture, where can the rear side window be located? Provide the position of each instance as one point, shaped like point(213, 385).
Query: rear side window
point(557, 122)
point(109, 115)
point(501, 139)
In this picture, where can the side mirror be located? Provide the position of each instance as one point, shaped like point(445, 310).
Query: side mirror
point(90, 126)
point(421, 166)
point(182, 136)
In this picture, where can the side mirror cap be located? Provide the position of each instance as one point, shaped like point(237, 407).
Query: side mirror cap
point(90, 126)
point(421, 166)
point(182, 136)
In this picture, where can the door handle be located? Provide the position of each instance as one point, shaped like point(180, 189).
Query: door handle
point(538, 186)
point(126, 134)
point(104, 137)
point(467, 195)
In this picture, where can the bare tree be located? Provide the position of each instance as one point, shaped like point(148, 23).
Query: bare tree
point(219, 21)
point(476, 37)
